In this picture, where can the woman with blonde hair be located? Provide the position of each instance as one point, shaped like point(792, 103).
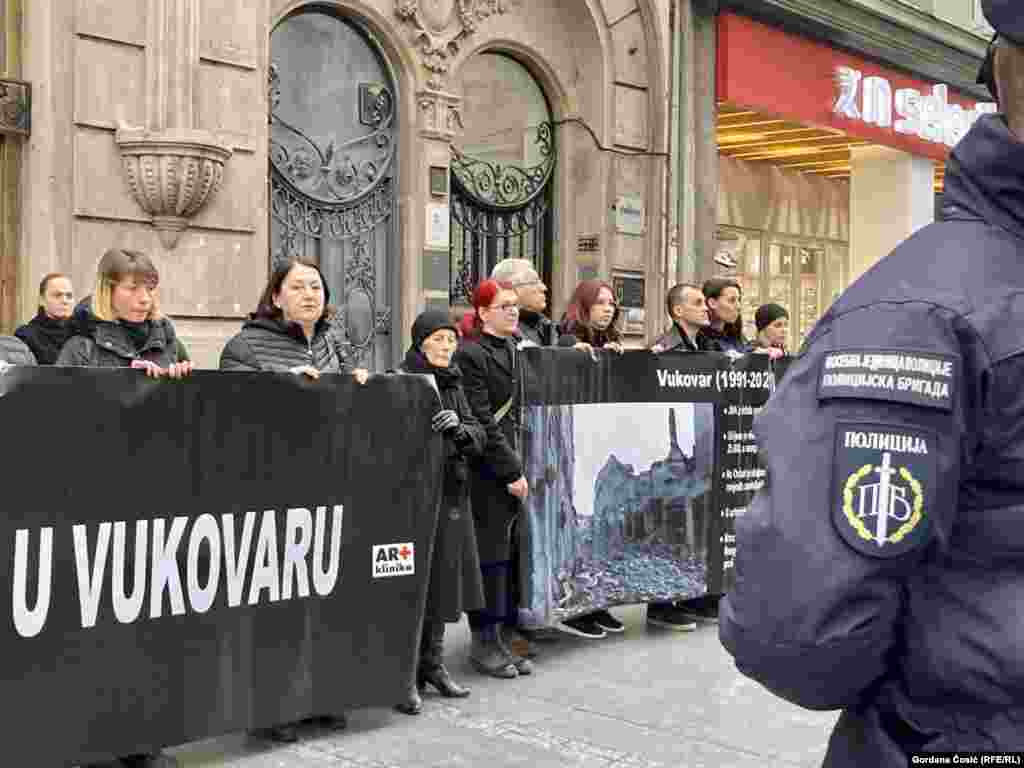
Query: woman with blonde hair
point(122, 327)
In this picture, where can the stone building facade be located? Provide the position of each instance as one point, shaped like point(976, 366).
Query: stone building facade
point(160, 125)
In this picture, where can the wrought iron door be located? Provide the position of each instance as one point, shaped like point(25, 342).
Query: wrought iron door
point(333, 138)
point(500, 211)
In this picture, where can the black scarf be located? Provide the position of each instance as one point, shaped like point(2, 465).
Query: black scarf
point(138, 333)
point(447, 378)
point(45, 337)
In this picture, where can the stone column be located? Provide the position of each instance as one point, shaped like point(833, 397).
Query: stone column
point(892, 195)
point(10, 167)
point(695, 165)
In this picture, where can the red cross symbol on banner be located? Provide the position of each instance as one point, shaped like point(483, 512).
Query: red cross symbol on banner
point(404, 552)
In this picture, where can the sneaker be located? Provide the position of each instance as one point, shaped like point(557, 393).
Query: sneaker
point(582, 626)
point(607, 622)
point(703, 610)
point(667, 616)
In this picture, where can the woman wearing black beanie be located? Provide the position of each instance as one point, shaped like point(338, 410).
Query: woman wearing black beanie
point(772, 321)
point(455, 583)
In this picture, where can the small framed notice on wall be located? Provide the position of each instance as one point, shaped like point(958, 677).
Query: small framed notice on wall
point(630, 215)
point(630, 290)
point(15, 107)
point(438, 227)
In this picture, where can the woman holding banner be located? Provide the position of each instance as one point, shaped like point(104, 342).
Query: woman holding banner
point(455, 583)
point(288, 331)
point(288, 334)
point(592, 318)
point(487, 359)
point(122, 328)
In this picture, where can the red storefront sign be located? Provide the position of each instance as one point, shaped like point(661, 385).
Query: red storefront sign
point(768, 70)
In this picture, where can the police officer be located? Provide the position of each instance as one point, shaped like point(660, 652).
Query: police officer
point(881, 569)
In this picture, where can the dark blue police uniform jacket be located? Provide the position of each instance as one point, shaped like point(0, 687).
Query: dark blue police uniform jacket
point(881, 569)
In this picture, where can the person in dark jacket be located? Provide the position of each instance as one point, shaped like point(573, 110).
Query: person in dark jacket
point(455, 583)
point(46, 333)
point(688, 310)
point(723, 296)
point(122, 327)
point(772, 322)
point(288, 334)
point(288, 331)
point(487, 359)
point(880, 569)
point(592, 319)
point(535, 327)
point(13, 351)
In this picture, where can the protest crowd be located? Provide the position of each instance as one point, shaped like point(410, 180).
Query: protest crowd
point(473, 359)
point(877, 567)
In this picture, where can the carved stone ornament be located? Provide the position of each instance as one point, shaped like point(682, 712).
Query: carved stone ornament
point(172, 174)
point(440, 115)
point(440, 26)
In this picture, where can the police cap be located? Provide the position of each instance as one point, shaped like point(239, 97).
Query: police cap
point(1006, 18)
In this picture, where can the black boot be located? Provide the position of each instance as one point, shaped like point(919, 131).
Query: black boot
point(487, 655)
point(523, 666)
point(413, 704)
point(432, 669)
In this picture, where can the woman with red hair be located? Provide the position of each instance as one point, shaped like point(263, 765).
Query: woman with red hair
point(487, 359)
point(592, 317)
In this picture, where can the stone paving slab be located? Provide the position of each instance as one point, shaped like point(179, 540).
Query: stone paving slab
point(646, 699)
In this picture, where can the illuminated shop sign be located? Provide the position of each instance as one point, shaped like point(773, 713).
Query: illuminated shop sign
point(908, 111)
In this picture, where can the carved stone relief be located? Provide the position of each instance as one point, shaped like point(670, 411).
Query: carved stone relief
point(440, 26)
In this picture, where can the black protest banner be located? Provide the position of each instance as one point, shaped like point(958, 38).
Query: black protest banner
point(638, 465)
point(190, 558)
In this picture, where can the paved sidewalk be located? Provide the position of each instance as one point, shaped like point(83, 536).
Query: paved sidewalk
point(646, 699)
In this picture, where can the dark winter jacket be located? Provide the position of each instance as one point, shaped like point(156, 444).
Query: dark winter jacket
point(266, 344)
point(14, 351)
point(101, 344)
point(455, 582)
point(45, 336)
point(537, 328)
point(723, 343)
point(571, 333)
point(678, 341)
point(881, 568)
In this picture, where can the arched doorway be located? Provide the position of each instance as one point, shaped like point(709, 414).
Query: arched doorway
point(501, 172)
point(333, 172)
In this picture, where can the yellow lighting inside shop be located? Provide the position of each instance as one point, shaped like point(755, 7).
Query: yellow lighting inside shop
point(793, 146)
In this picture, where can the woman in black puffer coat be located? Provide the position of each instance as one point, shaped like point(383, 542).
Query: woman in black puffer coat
point(288, 331)
point(455, 583)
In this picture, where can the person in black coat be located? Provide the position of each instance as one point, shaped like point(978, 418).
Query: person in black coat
point(46, 333)
point(455, 583)
point(288, 331)
point(487, 359)
point(288, 334)
point(122, 326)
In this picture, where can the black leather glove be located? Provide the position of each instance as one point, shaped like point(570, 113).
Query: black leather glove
point(461, 437)
point(444, 420)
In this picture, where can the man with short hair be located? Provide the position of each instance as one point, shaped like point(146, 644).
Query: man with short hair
point(688, 309)
point(534, 326)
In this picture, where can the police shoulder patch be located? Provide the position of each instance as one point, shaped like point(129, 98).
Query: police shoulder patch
point(883, 487)
point(914, 377)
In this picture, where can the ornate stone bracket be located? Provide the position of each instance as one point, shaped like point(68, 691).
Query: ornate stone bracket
point(172, 174)
point(440, 115)
point(440, 26)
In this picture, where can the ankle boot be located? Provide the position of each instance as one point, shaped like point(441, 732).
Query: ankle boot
point(432, 669)
point(413, 704)
point(487, 655)
point(523, 666)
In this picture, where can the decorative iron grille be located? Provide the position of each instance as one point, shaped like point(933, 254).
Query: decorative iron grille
point(500, 211)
